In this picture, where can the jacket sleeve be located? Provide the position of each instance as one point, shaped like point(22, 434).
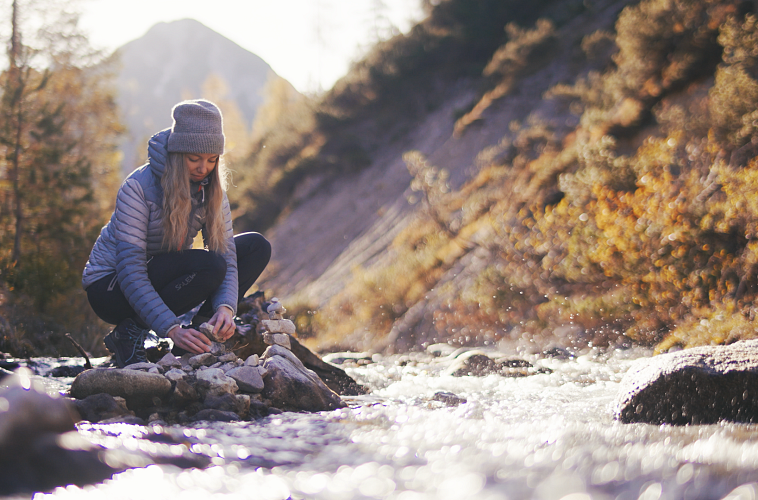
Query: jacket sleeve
point(130, 231)
point(226, 294)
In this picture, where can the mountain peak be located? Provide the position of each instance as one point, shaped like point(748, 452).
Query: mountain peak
point(172, 62)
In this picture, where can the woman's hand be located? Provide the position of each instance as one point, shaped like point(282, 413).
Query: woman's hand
point(223, 323)
point(190, 340)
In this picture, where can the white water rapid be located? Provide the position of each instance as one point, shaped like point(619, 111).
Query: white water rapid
point(547, 436)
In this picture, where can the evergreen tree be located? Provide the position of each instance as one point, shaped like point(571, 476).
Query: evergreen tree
point(58, 161)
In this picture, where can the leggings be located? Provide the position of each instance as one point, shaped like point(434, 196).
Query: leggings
point(184, 279)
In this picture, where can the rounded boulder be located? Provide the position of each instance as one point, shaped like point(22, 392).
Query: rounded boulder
point(138, 388)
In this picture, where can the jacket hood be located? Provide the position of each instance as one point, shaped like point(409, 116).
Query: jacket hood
point(157, 153)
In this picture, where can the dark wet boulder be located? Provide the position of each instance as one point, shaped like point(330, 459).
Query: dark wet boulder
point(39, 446)
point(473, 363)
point(99, 407)
point(212, 415)
point(289, 385)
point(138, 388)
point(66, 371)
point(183, 394)
point(228, 402)
point(479, 364)
point(695, 386)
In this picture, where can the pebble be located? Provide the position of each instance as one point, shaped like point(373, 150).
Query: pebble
point(175, 374)
point(448, 398)
point(228, 357)
point(204, 359)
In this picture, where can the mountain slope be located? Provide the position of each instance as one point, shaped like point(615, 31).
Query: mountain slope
point(173, 61)
point(339, 225)
point(588, 179)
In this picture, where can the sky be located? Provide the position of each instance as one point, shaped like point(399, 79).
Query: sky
point(311, 43)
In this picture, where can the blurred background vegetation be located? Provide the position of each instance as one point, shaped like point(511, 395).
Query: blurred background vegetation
point(632, 224)
point(631, 219)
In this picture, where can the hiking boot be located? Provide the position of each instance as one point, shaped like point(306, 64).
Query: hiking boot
point(127, 343)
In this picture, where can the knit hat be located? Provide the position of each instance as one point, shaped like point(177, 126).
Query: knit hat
point(198, 128)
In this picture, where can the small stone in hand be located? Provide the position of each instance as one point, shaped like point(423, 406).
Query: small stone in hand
point(207, 329)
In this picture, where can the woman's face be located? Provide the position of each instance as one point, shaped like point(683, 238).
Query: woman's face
point(199, 165)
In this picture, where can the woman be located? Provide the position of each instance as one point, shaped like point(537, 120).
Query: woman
point(142, 273)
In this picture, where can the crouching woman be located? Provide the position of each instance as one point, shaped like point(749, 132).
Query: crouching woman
point(143, 274)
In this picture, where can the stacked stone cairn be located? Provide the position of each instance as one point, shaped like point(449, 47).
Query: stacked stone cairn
point(213, 386)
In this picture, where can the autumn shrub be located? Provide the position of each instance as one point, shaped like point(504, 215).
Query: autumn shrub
point(526, 51)
point(711, 327)
point(663, 43)
point(734, 95)
point(635, 220)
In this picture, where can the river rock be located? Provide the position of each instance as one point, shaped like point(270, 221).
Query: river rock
point(212, 415)
point(26, 411)
point(228, 366)
point(279, 326)
point(252, 360)
point(473, 363)
point(694, 386)
point(136, 387)
point(204, 359)
point(449, 398)
point(32, 427)
point(229, 357)
point(275, 309)
point(289, 385)
point(183, 394)
point(281, 339)
point(207, 329)
point(174, 375)
point(102, 406)
point(479, 364)
point(144, 367)
point(225, 402)
point(248, 378)
point(218, 349)
point(349, 358)
point(214, 382)
point(169, 361)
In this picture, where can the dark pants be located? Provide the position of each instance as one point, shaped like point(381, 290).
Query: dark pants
point(184, 279)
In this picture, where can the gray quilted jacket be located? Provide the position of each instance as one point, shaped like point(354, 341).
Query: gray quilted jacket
point(135, 233)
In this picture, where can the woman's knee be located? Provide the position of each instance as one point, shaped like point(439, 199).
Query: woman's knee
point(254, 244)
point(214, 266)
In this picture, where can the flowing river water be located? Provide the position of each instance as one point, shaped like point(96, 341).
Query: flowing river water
point(547, 436)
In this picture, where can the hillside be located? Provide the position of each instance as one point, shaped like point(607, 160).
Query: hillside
point(184, 60)
point(584, 176)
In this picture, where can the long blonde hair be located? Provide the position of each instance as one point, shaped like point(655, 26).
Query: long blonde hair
point(177, 205)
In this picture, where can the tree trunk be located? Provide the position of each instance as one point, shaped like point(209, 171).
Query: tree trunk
point(15, 76)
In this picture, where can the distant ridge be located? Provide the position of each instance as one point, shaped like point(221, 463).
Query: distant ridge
point(171, 62)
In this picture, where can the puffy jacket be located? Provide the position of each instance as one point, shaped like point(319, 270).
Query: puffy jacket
point(135, 234)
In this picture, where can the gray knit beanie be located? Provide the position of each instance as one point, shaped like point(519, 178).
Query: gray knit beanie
point(198, 128)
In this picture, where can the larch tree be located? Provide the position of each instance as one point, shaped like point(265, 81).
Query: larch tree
point(59, 161)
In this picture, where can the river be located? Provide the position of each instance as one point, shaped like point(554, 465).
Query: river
point(547, 436)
